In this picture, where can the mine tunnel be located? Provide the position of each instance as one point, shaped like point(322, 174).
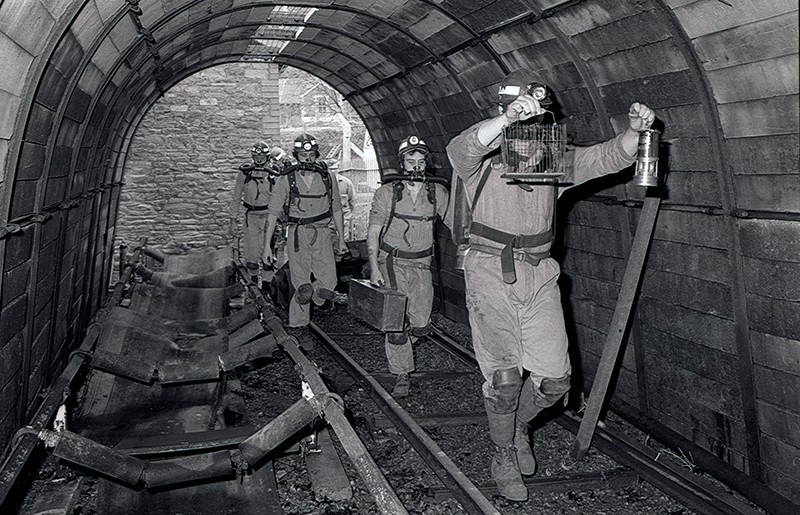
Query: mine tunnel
point(708, 260)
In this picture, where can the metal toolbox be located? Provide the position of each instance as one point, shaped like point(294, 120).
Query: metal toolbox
point(381, 308)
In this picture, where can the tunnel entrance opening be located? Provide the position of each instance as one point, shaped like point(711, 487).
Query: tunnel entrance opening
point(184, 158)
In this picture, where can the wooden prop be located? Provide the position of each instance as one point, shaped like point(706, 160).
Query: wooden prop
point(619, 323)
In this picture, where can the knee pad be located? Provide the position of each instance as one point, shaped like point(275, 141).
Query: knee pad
point(551, 390)
point(397, 338)
point(419, 332)
point(506, 383)
point(304, 293)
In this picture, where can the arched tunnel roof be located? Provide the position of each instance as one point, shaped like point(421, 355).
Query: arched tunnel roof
point(428, 66)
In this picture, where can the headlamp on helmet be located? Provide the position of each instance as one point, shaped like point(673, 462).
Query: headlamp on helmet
point(412, 144)
point(305, 143)
point(523, 82)
point(259, 148)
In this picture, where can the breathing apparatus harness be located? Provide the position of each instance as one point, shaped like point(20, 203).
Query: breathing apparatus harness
point(266, 172)
point(514, 84)
point(320, 168)
point(397, 196)
point(270, 174)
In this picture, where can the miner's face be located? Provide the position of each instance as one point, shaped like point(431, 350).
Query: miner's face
point(306, 156)
point(260, 159)
point(414, 162)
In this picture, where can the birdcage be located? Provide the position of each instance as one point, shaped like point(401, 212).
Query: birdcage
point(534, 152)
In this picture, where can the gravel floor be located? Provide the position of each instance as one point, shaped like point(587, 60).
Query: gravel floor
point(468, 446)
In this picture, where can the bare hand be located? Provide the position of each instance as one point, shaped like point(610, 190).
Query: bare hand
point(343, 248)
point(522, 108)
point(268, 257)
point(640, 117)
point(376, 277)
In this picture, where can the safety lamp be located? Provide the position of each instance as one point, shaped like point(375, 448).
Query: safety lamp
point(647, 159)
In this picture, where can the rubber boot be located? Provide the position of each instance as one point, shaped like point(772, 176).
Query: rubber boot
point(326, 294)
point(526, 412)
point(504, 467)
point(525, 457)
point(402, 386)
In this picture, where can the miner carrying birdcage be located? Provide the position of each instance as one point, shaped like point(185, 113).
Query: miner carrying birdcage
point(513, 166)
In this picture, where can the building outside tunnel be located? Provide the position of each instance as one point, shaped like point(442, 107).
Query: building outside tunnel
point(713, 351)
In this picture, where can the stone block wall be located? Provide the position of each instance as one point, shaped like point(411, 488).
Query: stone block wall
point(183, 161)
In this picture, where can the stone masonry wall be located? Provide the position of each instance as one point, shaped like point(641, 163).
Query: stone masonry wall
point(183, 161)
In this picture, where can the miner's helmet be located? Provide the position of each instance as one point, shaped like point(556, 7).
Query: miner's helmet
point(412, 144)
point(305, 143)
point(277, 153)
point(521, 82)
point(260, 152)
point(260, 148)
point(408, 146)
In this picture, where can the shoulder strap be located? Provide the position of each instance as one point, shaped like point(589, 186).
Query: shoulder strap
point(484, 177)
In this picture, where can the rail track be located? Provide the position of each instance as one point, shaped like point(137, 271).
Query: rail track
point(452, 360)
point(438, 433)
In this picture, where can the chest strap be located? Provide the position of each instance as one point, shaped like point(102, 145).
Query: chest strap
point(393, 252)
point(511, 242)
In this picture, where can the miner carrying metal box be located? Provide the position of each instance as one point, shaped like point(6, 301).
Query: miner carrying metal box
point(400, 241)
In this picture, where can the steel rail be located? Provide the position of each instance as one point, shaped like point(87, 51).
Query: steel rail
point(678, 484)
point(464, 491)
point(385, 497)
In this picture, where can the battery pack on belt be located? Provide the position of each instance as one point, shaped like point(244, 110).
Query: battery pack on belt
point(511, 242)
point(393, 252)
point(305, 221)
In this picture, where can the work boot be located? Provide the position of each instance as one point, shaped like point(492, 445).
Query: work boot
point(505, 473)
point(402, 386)
point(525, 458)
point(526, 411)
point(326, 294)
point(304, 293)
point(504, 467)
